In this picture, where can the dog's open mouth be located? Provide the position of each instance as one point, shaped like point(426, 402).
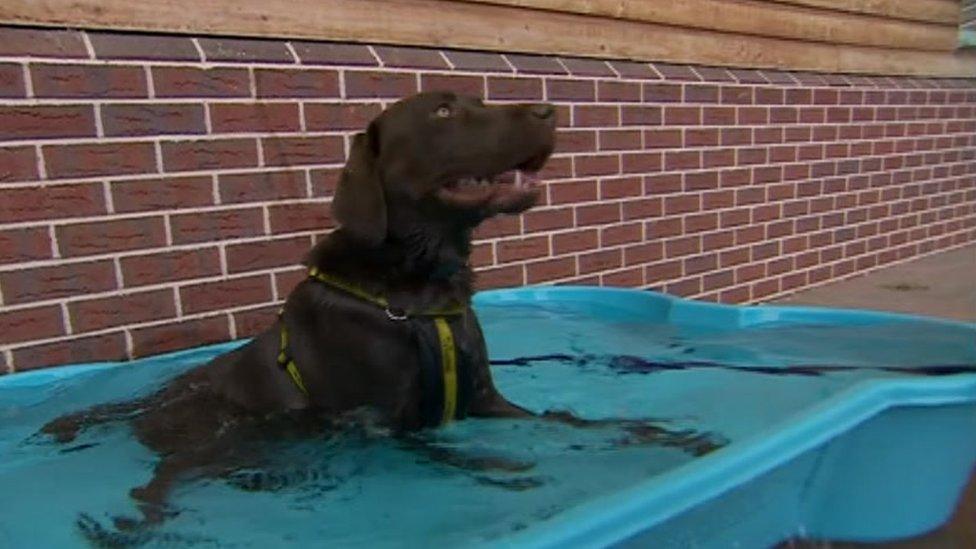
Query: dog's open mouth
point(512, 191)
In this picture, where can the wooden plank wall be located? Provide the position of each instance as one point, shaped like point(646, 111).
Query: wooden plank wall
point(909, 37)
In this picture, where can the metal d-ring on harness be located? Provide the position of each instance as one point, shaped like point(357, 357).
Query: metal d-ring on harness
point(441, 370)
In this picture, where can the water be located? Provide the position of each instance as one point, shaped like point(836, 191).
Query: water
point(474, 481)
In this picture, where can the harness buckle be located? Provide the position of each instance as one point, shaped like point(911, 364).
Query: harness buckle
point(396, 314)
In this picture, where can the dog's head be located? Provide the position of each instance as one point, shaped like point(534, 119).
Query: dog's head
point(443, 157)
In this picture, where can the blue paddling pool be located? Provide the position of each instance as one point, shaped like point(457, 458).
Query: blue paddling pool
point(780, 422)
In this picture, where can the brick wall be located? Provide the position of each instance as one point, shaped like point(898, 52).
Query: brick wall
point(156, 192)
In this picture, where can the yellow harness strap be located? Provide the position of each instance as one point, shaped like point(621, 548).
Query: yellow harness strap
point(288, 363)
point(448, 368)
point(448, 350)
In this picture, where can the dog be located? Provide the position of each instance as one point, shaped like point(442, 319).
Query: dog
point(383, 322)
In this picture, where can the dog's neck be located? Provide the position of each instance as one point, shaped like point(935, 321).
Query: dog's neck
point(416, 262)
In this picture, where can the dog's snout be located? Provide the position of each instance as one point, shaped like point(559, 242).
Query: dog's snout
point(543, 110)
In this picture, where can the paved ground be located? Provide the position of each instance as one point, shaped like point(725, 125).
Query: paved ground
point(942, 285)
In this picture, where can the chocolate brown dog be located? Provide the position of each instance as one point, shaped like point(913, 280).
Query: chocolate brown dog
point(384, 324)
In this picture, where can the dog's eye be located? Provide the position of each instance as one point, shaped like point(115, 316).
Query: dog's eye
point(443, 111)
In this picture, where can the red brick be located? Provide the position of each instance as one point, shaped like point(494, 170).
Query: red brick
point(615, 140)
point(574, 241)
point(477, 61)
point(737, 95)
point(330, 53)
point(682, 204)
point(289, 218)
point(141, 270)
point(514, 88)
point(668, 226)
point(721, 279)
point(681, 116)
point(701, 263)
point(162, 194)
point(595, 115)
point(570, 90)
point(643, 253)
point(696, 181)
point(52, 202)
point(621, 234)
point(661, 92)
point(99, 159)
point(570, 141)
point(736, 136)
point(751, 156)
point(241, 50)
point(701, 93)
point(409, 57)
point(25, 244)
point(640, 115)
point(209, 154)
point(551, 269)
point(718, 199)
point(626, 279)
point(379, 84)
point(254, 321)
point(662, 184)
point(547, 220)
point(641, 162)
point(764, 288)
point(662, 139)
point(225, 294)
point(261, 186)
point(768, 135)
point(682, 160)
point(701, 222)
point(662, 271)
point(290, 151)
point(735, 295)
point(643, 208)
point(500, 277)
point(121, 310)
point(254, 117)
point(56, 281)
point(30, 324)
point(179, 335)
point(339, 116)
point(715, 241)
point(216, 225)
point(155, 119)
point(701, 138)
point(784, 115)
point(99, 348)
point(522, 249)
point(466, 85)
point(267, 254)
point(535, 64)
point(36, 42)
point(620, 188)
point(298, 83)
point(43, 122)
point(613, 91)
point(88, 81)
point(286, 281)
point(600, 261)
point(597, 214)
point(143, 47)
point(12, 81)
point(682, 246)
point(199, 82)
point(717, 158)
point(100, 237)
point(596, 165)
point(718, 116)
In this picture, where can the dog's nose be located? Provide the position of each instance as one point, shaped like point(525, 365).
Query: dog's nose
point(543, 110)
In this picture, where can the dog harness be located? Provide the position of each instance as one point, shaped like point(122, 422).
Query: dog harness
point(445, 381)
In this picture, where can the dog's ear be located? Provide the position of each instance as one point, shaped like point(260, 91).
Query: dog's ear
point(359, 205)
